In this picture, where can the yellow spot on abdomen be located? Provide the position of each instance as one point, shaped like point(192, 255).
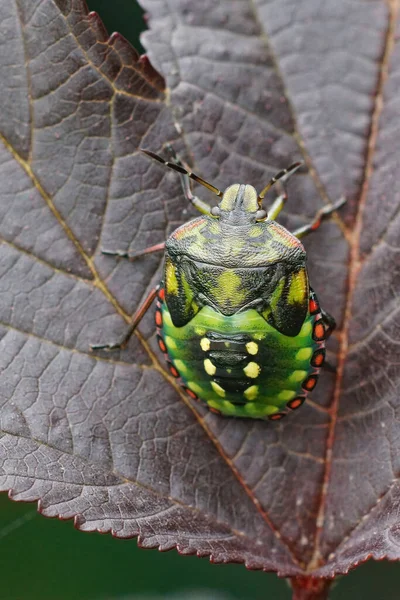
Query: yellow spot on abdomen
point(167, 319)
point(252, 370)
point(192, 385)
point(222, 406)
point(209, 368)
point(251, 393)
point(218, 389)
point(170, 342)
point(205, 344)
point(286, 395)
point(254, 409)
point(297, 376)
point(304, 354)
point(180, 365)
point(252, 347)
point(306, 329)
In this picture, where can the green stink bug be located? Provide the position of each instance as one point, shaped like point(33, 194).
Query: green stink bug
point(236, 318)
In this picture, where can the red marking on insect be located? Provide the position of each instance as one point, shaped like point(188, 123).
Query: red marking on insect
point(292, 241)
point(276, 416)
point(318, 358)
point(185, 229)
point(296, 402)
point(190, 393)
point(314, 306)
point(158, 318)
point(310, 383)
point(161, 294)
point(214, 410)
point(316, 225)
point(161, 345)
point(319, 331)
point(173, 371)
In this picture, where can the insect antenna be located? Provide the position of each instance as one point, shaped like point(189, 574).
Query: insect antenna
point(183, 171)
point(282, 175)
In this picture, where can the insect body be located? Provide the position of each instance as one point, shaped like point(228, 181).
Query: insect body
point(236, 318)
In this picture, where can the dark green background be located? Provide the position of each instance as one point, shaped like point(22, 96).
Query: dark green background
point(44, 559)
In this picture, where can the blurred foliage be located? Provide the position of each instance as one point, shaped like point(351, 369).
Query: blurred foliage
point(124, 16)
point(45, 559)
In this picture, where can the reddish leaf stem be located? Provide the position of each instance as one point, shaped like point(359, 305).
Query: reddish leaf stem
point(310, 588)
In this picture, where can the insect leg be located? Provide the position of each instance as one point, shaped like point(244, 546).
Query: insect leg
point(320, 216)
point(177, 165)
point(277, 206)
point(201, 206)
point(137, 317)
point(133, 255)
point(329, 325)
point(282, 176)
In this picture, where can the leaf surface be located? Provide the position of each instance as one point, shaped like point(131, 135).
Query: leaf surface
point(108, 438)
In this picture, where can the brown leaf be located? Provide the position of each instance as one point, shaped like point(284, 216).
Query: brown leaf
point(108, 438)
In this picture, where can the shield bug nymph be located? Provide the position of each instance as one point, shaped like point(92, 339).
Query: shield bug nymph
point(236, 318)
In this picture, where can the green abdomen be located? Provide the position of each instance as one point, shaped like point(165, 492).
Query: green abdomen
point(240, 365)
